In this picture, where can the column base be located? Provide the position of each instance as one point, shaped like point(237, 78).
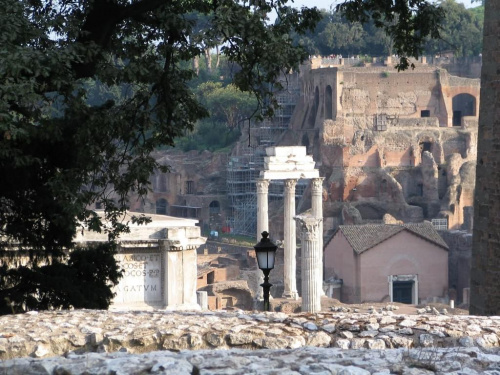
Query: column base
point(291, 295)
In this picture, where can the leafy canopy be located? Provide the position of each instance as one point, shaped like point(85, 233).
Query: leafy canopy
point(62, 147)
point(459, 30)
point(88, 90)
point(408, 22)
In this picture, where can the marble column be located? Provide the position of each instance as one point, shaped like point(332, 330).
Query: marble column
point(290, 267)
point(317, 212)
point(262, 207)
point(309, 233)
point(262, 225)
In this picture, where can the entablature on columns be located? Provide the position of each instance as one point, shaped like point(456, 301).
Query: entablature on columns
point(289, 162)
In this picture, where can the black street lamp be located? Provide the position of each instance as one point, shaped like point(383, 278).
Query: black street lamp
point(266, 251)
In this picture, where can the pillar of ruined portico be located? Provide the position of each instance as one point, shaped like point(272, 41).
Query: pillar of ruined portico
point(317, 212)
point(262, 207)
point(290, 282)
point(309, 233)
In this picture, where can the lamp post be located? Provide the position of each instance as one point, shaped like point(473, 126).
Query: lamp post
point(266, 251)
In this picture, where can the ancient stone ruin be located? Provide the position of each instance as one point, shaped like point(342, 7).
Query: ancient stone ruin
point(159, 263)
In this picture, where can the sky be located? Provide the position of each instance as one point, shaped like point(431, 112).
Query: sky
point(325, 4)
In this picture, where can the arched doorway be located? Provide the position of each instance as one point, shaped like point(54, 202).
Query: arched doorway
point(463, 105)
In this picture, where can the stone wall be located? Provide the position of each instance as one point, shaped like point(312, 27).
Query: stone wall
point(106, 342)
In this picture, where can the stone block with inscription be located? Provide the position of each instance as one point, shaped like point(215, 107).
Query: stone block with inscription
point(158, 261)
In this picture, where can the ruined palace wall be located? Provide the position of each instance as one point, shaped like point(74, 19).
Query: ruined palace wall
point(376, 91)
point(376, 124)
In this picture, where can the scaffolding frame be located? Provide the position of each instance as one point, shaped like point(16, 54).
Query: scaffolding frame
point(244, 170)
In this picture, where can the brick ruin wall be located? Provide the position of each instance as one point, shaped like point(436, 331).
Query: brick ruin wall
point(365, 128)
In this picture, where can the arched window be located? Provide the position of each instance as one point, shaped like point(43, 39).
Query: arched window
point(328, 102)
point(161, 206)
point(463, 105)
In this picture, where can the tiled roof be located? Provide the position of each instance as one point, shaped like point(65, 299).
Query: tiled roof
point(364, 237)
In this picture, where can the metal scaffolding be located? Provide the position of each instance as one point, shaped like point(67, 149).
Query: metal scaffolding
point(244, 170)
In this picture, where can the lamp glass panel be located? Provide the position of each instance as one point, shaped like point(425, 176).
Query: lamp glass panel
point(265, 259)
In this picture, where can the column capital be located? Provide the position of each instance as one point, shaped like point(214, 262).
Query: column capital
point(310, 227)
point(290, 183)
point(317, 183)
point(262, 185)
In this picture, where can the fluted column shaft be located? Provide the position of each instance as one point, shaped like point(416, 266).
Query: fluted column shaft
point(290, 280)
point(317, 212)
point(309, 233)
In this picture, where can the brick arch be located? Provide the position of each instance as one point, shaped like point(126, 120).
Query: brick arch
point(451, 92)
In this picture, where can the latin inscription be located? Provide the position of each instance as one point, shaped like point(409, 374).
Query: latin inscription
point(141, 281)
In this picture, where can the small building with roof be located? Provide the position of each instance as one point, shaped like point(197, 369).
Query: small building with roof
point(405, 263)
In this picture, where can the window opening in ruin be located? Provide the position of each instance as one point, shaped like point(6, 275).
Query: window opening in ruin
point(381, 122)
point(162, 183)
point(457, 118)
point(161, 206)
point(440, 224)
point(210, 278)
point(98, 205)
point(420, 190)
point(328, 102)
point(189, 187)
point(214, 208)
point(425, 113)
point(314, 112)
point(425, 146)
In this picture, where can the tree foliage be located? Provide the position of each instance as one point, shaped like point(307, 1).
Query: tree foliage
point(374, 28)
point(461, 30)
point(227, 103)
point(89, 89)
point(62, 152)
point(408, 22)
point(81, 280)
point(228, 109)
